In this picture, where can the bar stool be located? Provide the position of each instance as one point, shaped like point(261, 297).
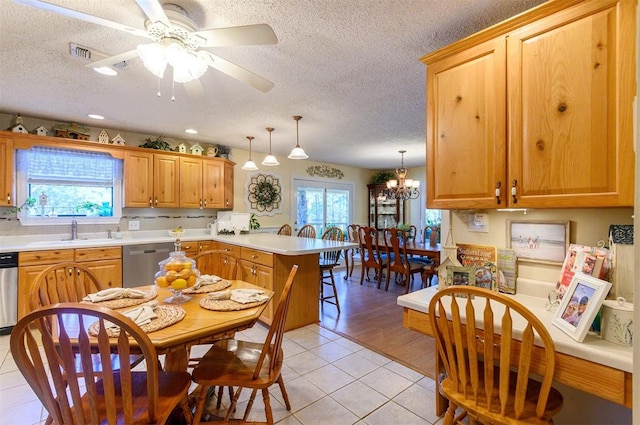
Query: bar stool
point(328, 260)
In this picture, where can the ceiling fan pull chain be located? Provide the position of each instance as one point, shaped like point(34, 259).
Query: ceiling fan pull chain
point(173, 89)
point(159, 87)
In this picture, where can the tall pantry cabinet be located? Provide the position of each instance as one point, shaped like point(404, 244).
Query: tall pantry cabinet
point(536, 111)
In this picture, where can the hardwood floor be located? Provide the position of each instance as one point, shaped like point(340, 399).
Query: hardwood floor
point(372, 318)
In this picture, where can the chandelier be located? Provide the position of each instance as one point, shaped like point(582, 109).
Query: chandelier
point(402, 188)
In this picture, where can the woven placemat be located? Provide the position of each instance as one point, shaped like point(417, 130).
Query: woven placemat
point(167, 315)
point(213, 287)
point(126, 302)
point(227, 305)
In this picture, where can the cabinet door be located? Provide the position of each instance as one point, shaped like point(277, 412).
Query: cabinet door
point(166, 177)
point(213, 183)
point(138, 179)
point(262, 276)
point(7, 191)
point(26, 276)
point(191, 183)
point(383, 212)
point(466, 128)
point(571, 86)
point(108, 272)
point(228, 186)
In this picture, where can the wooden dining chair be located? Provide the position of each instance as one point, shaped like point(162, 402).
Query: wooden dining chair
point(221, 263)
point(45, 344)
point(328, 260)
point(285, 230)
point(307, 231)
point(488, 373)
point(398, 261)
point(352, 254)
point(245, 364)
point(70, 282)
point(371, 255)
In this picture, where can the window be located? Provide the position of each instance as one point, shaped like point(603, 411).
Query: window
point(322, 204)
point(57, 184)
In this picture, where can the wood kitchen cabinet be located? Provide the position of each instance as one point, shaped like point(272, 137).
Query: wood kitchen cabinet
point(203, 183)
point(7, 186)
point(105, 263)
point(151, 180)
point(536, 111)
point(258, 270)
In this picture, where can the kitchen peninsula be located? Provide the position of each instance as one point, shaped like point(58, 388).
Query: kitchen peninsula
point(266, 258)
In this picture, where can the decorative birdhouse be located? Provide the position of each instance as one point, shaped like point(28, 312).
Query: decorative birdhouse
point(18, 128)
point(449, 257)
point(118, 140)
point(182, 148)
point(40, 131)
point(196, 149)
point(103, 137)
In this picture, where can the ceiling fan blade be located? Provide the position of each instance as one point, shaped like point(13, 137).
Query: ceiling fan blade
point(239, 36)
point(238, 72)
point(114, 59)
point(82, 16)
point(154, 11)
point(194, 89)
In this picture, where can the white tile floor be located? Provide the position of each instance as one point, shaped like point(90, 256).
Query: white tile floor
point(330, 381)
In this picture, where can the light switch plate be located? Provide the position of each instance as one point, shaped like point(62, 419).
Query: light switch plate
point(478, 222)
point(134, 225)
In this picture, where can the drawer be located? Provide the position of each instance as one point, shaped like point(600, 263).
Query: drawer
point(91, 254)
point(50, 256)
point(258, 257)
point(233, 249)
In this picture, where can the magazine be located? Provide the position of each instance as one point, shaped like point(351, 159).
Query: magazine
point(483, 259)
point(593, 261)
point(507, 270)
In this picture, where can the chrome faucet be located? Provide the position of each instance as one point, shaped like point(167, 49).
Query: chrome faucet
point(74, 229)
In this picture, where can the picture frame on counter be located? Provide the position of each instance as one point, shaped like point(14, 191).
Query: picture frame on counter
point(580, 305)
point(461, 275)
point(539, 241)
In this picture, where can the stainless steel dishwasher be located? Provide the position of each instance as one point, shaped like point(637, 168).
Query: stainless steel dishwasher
point(8, 291)
point(140, 262)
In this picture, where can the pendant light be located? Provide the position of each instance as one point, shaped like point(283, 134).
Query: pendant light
point(270, 160)
point(297, 152)
point(250, 165)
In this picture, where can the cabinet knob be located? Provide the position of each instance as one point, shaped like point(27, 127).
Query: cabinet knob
point(156, 202)
point(254, 256)
point(151, 202)
point(514, 191)
point(8, 198)
point(498, 200)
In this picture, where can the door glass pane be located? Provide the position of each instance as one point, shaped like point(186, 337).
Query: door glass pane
point(337, 208)
point(322, 204)
point(310, 208)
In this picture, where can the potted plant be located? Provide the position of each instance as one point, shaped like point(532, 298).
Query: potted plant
point(382, 177)
point(253, 222)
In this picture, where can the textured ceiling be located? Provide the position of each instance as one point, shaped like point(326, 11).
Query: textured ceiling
point(350, 68)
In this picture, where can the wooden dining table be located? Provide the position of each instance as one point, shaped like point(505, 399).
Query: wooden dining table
point(200, 326)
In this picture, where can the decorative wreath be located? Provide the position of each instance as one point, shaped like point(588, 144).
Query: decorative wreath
point(264, 192)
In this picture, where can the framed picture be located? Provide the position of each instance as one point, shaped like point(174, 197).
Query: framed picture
point(539, 241)
point(580, 305)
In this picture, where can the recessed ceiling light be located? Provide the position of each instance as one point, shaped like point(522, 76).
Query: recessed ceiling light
point(105, 70)
point(96, 117)
point(191, 131)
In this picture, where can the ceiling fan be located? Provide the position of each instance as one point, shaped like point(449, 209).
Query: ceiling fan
point(177, 42)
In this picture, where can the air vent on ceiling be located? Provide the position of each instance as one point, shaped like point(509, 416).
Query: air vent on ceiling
point(83, 52)
point(79, 51)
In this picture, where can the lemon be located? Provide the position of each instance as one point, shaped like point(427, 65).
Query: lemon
point(179, 284)
point(171, 276)
point(187, 265)
point(161, 281)
point(191, 281)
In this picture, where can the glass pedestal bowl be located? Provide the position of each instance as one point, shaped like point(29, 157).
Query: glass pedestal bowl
point(177, 273)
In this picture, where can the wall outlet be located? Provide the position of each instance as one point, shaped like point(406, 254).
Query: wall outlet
point(134, 225)
point(478, 223)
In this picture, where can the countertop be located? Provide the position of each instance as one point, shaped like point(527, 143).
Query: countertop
point(277, 244)
point(593, 348)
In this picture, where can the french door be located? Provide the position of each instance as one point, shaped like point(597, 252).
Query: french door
point(322, 204)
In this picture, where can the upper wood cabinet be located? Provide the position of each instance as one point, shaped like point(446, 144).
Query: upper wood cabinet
point(151, 180)
point(535, 112)
point(203, 182)
point(191, 183)
point(7, 185)
point(228, 186)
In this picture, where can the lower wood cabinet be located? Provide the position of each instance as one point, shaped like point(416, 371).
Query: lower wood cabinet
point(258, 270)
point(105, 263)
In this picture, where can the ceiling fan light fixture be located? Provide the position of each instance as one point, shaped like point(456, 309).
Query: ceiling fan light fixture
point(153, 58)
point(250, 165)
point(270, 160)
point(186, 65)
point(297, 152)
